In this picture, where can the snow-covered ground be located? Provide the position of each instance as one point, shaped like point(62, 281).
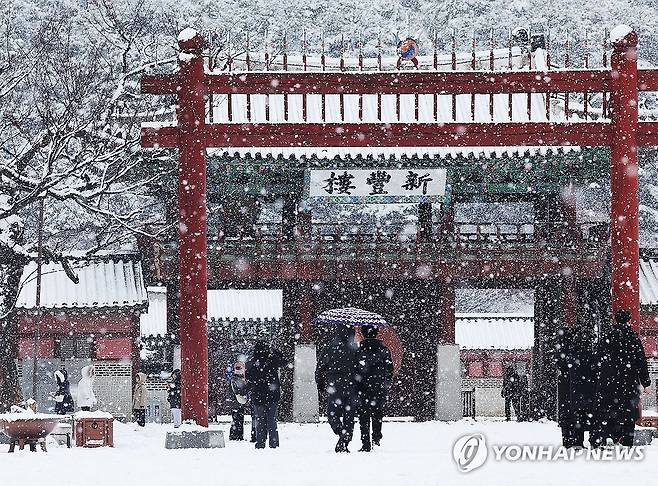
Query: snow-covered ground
point(411, 454)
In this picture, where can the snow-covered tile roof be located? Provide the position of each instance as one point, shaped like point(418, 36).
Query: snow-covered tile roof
point(229, 304)
point(346, 153)
point(115, 281)
point(649, 280)
point(154, 322)
point(245, 304)
point(494, 331)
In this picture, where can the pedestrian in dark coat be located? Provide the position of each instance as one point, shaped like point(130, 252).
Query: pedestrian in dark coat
point(576, 385)
point(173, 397)
point(510, 392)
point(374, 376)
point(262, 373)
point(336, 373)
point(622, 372)
point(63, 398)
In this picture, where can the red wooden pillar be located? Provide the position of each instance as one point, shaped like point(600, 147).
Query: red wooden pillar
point(448, 314)
point(192, 227)
point(624, 220)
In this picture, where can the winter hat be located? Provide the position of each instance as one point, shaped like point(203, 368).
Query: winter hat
point(622, 316)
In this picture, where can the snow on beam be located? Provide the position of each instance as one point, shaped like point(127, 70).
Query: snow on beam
point(619, 33)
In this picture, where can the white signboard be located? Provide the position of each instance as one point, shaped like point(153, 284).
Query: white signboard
point(377, 185)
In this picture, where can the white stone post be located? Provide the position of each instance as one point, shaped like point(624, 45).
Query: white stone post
point(448, 383)
point(305, 390)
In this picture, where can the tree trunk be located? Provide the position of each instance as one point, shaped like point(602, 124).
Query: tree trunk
point(10, 389)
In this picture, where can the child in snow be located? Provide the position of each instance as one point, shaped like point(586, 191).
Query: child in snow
point(63, 398)
point(407, 50)
point(237, 398)
point(86, 397)
point(140, 397)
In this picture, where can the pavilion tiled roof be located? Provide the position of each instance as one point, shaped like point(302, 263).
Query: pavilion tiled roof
point(223, 305)
point(114, 281)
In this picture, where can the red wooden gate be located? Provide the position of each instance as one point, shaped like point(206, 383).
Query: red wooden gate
point(623, 133)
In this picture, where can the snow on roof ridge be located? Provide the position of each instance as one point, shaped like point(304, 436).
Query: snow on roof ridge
point(103, 283)
point(618, 33)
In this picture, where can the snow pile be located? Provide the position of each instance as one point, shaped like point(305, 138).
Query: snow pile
point(20, 416)
point(186, 57)
point(98, 414)
point(618, 33)
point(186, 34)
point(189, 427)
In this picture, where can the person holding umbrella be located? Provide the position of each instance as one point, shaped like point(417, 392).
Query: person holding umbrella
point(337, 371)
point(374, 376)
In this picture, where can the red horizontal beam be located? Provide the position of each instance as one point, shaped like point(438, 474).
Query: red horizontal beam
point(442, 82)
point(160, 84)
point(647, 80)
point(589, 134)
point(647, 134)
point(592, 134)
point(162, 137)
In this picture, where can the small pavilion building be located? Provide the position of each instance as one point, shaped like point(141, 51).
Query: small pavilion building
point(95, 321)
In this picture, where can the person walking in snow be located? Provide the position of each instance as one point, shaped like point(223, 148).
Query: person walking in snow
point(576, 385)
point(140, 399)
point(336, 374)
point(86, 397)
point(622, 373)
point(173, 397)
point(510, 392)
point(374, 376)
point(262, 373)
point(63, 398)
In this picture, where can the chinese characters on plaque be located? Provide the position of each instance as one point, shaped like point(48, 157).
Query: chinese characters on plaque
point(378, 185)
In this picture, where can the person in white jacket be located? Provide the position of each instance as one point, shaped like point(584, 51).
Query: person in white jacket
point(86, 397)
